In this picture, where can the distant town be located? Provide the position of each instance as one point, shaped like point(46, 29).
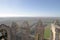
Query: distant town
point(30, 28)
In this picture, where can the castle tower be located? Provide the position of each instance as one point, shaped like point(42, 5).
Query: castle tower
point(55, 31)
point(14, 30)
point(26, 30)
point(39, 31)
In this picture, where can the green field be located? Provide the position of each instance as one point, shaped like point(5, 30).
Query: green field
point(47, 33)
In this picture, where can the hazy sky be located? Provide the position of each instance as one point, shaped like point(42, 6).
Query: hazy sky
point(29, 8)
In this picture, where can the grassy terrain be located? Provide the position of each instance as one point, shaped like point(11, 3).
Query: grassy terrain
point(47, 33)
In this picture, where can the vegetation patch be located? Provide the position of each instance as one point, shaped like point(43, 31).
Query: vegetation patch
point(47, 32)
